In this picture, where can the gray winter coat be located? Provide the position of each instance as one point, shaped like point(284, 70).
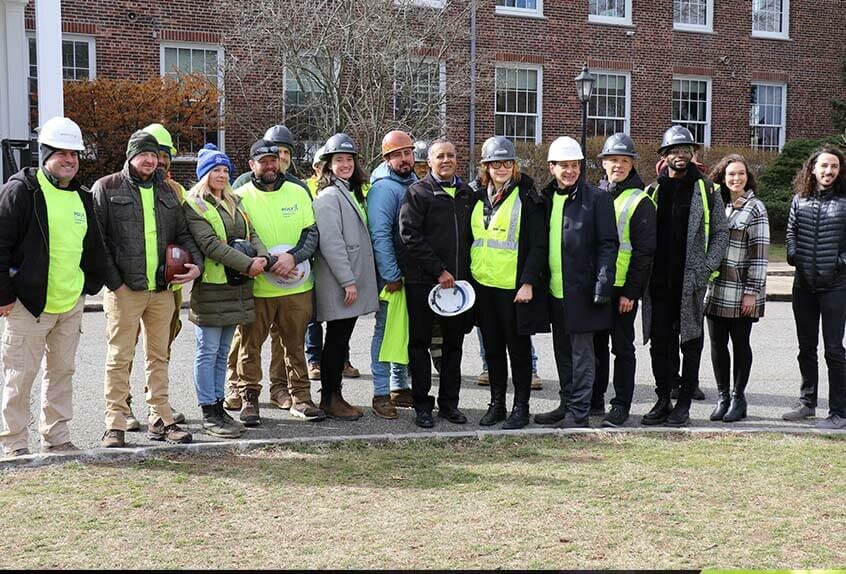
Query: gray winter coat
point(221, 305)
point(699, 264)
point(344, 256)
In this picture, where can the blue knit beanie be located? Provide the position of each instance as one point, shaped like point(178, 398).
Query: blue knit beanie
point(209, 158)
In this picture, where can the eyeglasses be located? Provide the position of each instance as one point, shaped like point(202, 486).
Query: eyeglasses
point(680, 150)
point(509, 163)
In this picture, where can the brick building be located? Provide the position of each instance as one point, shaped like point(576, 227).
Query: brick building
point(736, 72)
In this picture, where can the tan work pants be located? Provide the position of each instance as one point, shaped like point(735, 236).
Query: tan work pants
point(26, 341)
point(278, 375)
point(123, 312)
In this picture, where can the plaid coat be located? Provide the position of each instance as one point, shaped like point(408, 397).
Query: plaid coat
point(743, 270)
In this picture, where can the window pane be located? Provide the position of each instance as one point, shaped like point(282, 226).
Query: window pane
point(516, 104)
point(607, 105)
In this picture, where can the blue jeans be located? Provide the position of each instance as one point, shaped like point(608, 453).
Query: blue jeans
point(314, 341)
point(485, 363)
point(210, 362)
point(386, 376)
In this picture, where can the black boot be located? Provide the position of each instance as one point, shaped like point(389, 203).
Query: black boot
point(215, 425)
point(519, 416)
point(737, 408)
point(722, 406)
point(496, 409)
point(552, 416)
point(227, 418)
point(680, 415)
point(659, 412)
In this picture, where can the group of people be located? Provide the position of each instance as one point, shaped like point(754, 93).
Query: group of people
point(271, 255)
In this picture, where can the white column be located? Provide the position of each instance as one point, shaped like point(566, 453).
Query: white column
point(14, 99)
point(48, 30)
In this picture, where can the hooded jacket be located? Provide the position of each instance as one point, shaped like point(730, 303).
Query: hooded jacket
point(383, 206)
point(25, 243)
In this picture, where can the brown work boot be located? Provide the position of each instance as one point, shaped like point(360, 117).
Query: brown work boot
point(282, 399)
point(250, 408)
point(63, 448)
point(113, 439)
point(483, 380)
point(350, 372)
point(170, 433)
point(231, 400)
point(314, 371)
point(537, 383)
point(336, 407)
point(384, 408)
point(402, 399)
point(306, 410)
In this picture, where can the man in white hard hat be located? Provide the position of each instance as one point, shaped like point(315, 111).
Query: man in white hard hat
point(582, 255)
point(51, 256)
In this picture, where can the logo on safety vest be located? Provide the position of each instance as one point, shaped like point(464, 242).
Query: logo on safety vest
point(79, 217)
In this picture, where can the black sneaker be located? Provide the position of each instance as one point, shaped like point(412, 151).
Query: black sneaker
point(424, 420)
point(617, 417)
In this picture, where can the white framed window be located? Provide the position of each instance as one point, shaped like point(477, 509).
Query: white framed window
point(771, 18)
point(609, 108)
point(177, 59)
point(310, 81)
point(768, 116)
point(610, 12)
point(79, 62)
point(693, 15)
point(420, 88)
point(519, 98)
point(530, 8)
point(692, 106)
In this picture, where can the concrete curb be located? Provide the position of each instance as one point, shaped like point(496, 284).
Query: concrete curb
point(101, 455)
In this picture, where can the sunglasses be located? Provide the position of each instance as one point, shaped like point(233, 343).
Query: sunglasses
point(509, 163)
point(266, 149)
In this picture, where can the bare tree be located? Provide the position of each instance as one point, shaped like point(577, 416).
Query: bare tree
point(363, 66)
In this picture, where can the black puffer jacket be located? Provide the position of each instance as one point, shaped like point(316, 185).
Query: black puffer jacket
point(816, 240)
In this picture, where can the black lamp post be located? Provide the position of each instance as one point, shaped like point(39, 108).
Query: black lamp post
point(584, 88)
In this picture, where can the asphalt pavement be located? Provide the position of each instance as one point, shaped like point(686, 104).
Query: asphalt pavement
point(773, 387)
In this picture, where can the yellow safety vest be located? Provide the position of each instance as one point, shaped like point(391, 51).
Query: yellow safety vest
point(706, 213)
point(493, 253)
point(624, 207)
point(213, 271)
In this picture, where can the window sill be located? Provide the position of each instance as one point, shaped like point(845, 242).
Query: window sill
point(620, 23)
point(694, 30)
point(766, 36)
point(519, 13)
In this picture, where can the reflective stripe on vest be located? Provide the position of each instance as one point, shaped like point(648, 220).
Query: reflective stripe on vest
point(625, 205)
point(493, 253)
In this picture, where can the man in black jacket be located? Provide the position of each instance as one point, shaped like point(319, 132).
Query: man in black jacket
point(635, 215)
point(51, 256)
point(139, 216)
point(434, 225)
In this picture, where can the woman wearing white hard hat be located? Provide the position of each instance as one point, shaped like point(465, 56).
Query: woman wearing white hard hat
point(508, 262)
point(345, 270)
point(582, 260)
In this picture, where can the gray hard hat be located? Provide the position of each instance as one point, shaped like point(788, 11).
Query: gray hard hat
point(339, 143)
point(618, 144)
point(280, 135)
point(677, 135)
point(421, 151)
point(498, 148)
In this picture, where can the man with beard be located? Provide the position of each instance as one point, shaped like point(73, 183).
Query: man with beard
point(280, 210)
point(389, 180)
point(635, 215)
point(691, 239)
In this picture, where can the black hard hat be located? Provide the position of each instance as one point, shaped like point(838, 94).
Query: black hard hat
point(421, 151)
point(280, 135)
point(677, 135)
point(233, 277)
point(618, 144)
point(498, 148)
point(339, 143)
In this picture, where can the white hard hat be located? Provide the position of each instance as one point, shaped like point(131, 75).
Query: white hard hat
point(565, 148)
point(454, 301)
point(61, 133)
point(318, 157)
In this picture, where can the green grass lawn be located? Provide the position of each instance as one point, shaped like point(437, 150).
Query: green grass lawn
point(586, 501)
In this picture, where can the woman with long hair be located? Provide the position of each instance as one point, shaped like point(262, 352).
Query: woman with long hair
point(735, 300)
point(345, 271)
point(508, 263)
point(223, 297)
point(816, 246)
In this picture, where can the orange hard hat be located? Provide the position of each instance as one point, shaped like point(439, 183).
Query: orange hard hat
point(395, 140)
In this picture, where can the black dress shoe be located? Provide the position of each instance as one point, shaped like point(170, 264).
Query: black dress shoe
point(659, 413)
point(424, 420)
point(454, 416)
point(551, 417)
point(571, 422)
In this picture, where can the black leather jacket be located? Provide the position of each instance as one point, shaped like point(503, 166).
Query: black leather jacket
point(816, 240)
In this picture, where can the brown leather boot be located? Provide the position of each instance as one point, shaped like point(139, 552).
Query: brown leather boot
point(336, 407)
point(384, 408)
point(402, 399)
point(250, 408)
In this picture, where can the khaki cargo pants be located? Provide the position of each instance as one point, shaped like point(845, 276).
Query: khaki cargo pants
point(26, 341)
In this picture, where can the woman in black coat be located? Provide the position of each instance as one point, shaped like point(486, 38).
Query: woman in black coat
point(582, 259)
point(508, 263)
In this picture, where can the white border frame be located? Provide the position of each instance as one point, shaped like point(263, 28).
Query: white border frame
point(221, 133)
point(709, 22)
point(522, 12)
point(92, 51)
point(785, 24)
point(628, 75)
point(783, 136)
point(708, 104)
point(442, 72)
point(524, 66)
point(613, 20)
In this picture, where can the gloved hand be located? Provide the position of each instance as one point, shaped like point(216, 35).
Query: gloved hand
point(601, 300)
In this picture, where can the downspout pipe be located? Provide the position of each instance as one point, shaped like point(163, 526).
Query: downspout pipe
point(472, 131)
